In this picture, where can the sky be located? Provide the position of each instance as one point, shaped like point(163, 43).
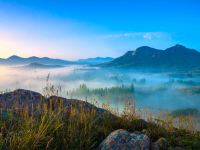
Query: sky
point(73, 29)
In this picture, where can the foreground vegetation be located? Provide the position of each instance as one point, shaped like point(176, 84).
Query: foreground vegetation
point(51, 126)
point(75, 128)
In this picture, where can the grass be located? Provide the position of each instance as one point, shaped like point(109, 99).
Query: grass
point(79, 129)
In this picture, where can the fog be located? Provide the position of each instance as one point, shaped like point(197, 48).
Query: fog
point(156, 91)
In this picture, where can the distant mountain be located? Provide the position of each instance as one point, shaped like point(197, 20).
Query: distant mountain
point(177, 56)
point(16, 60)
point(93, 61)
point(41, 66)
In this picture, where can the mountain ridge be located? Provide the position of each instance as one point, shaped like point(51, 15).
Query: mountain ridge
point(177, 56)
point(17, 60)
point(95, 60)
point(41, 66)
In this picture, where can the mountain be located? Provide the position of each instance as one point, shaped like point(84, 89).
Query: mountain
point(41, 66)
point(13, 60)
point(16, 60)
point(177, 56)
point(93, 61)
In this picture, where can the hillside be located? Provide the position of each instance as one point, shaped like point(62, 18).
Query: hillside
point(41, 66)
point(93, 61)
point(174, 57)
point(16, 60)
point(32, 99)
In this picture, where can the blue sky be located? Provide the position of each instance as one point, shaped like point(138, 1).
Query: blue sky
point(74, 29)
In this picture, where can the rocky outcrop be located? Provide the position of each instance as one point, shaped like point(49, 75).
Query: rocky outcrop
point(123, 140)
point(160, 144)
point(21, 98)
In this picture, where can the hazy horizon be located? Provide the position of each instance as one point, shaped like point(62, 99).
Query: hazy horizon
point(86, 57)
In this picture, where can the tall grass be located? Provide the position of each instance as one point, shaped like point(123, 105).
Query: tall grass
point(73, 128)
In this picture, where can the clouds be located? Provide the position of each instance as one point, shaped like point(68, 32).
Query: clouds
point(122, 42)
point(78, 30)
point(27, 34)
point(140, 35)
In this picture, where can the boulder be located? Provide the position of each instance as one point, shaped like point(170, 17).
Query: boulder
point(178, 148)
point(123, 140)
point(160, 144)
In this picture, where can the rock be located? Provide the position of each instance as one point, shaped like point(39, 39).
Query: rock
point(155, 146)
point(178, 148)
point(123, 140)
point(160, 144)
point(20, 98)
point(145, 131)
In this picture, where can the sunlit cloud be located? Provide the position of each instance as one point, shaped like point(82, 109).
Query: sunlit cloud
point(143, 35)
